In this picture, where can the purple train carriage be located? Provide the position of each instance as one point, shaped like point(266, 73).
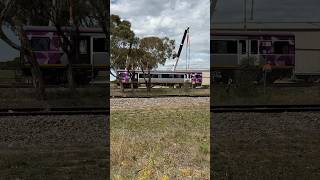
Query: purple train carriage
point(165, 78)
point(228, 48)
point(47, 47)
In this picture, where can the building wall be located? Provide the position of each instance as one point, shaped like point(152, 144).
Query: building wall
point(307, 53)
point(205, 78)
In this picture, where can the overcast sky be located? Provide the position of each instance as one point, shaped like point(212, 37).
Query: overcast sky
point(170, 18)
point(6, 52)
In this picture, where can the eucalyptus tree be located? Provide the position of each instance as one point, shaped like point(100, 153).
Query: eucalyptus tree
point(14, 15)
point(67, 16)
point(122, 39)
point(154, 51)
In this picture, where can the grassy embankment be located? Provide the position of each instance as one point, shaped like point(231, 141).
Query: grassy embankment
point(273, 95)
point(56, 96)
point(160, 143)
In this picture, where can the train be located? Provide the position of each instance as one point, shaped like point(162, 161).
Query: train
point(46, 45)
point(175, 78)
point(228, 49)
point(292, 53)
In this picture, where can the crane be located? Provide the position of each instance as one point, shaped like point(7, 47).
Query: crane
point(180, 48)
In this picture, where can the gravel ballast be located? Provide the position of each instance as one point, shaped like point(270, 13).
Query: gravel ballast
point(266, 145)
point(165, 102)
point(49, 130)
point(54, 147)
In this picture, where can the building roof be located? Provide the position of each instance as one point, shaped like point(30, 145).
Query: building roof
point(53, 29)
point(267, 26)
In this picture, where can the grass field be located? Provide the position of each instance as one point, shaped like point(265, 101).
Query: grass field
point(56, 163)
point(160, 143)
point(56, 97)
point(7, 76)
point(273, 95)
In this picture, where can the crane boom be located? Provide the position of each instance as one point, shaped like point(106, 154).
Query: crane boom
point(180, 48)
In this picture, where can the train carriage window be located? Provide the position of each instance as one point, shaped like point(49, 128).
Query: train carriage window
point(254, 47)
point(281, 47)
point(167, 75)
point(154, 76)
point(179, 76)
point(99, 45)
point(83, 46)
point(243, 46)
point(40, 43)
point(141, 75)
point(224, 47)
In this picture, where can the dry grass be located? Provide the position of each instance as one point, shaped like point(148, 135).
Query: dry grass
point(160, 143)
point(56, 97)
point(274, 95)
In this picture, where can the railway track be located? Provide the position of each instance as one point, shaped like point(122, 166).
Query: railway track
point(54, 111)
point(25, 85)
point(160, 96)
point(265, 108)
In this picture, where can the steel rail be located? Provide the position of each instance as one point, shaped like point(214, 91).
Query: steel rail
point(265, 108)
point(54, 111)
point(157, 96)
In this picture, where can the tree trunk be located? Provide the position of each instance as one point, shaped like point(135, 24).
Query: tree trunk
point(71, 83)
point(119, 79)
point(38, 82)
point(149, 82)
point(37, 76)
point(132, 81)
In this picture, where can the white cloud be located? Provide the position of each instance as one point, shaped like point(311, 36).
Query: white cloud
point(170, 18)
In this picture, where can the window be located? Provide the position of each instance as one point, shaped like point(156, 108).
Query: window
point(40, 43)
point(281, 47)
point(154, 76)
point(224, 47)
point(83, 46)
point(179, 76)
point(254, 47)
point(99, 45)
point(141, 75)
point(165, 75)
point(243, 46)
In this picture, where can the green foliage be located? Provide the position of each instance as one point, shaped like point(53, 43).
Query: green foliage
point(130, 52)
point(122, 38)
point(156, 51)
